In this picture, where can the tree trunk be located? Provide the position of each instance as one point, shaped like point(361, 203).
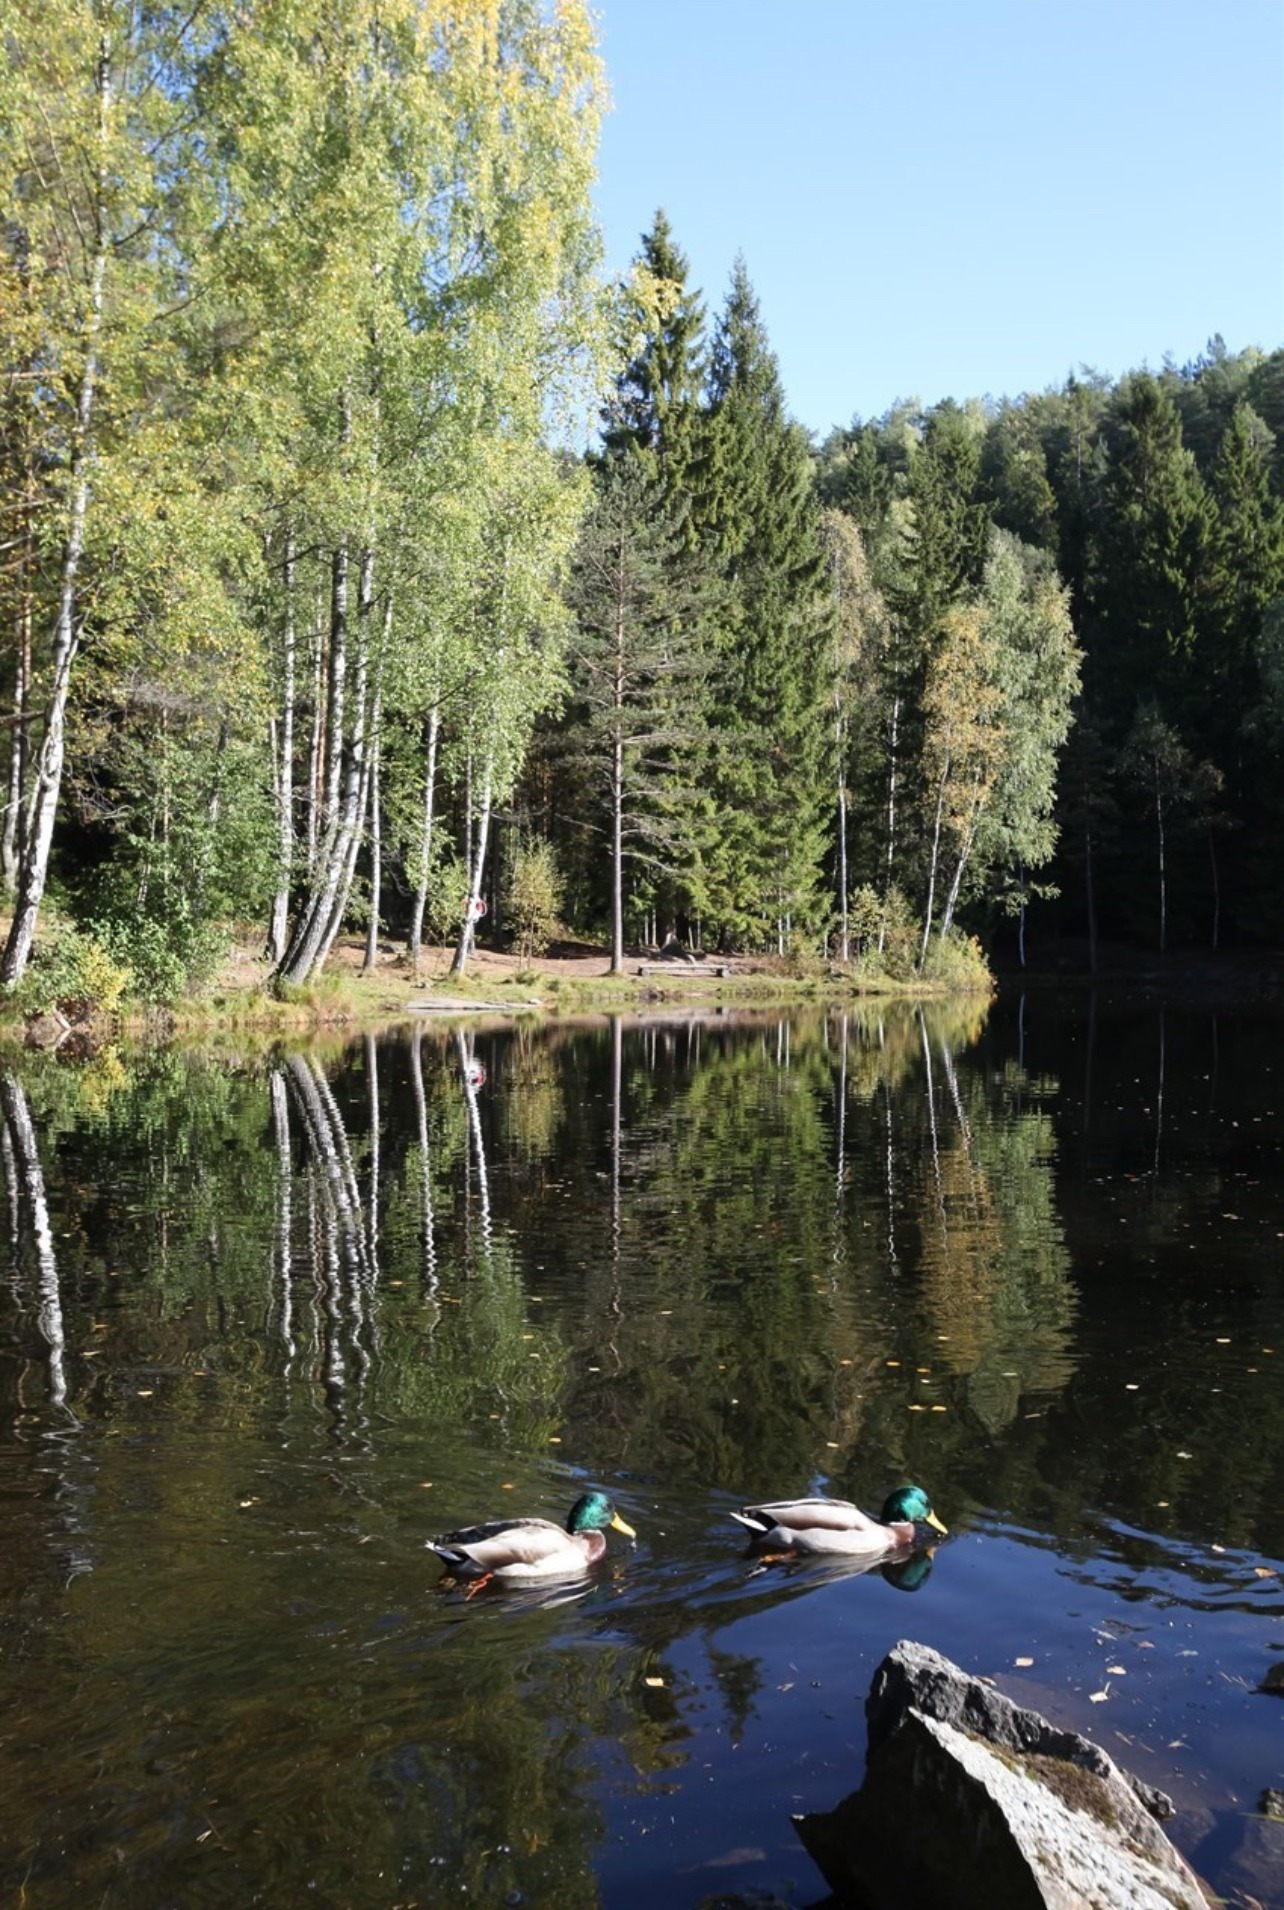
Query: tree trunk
point(316, 752)
point(891, 820)
point(432, 730)
point(38, 823)
point(463, 948)
point(283, 767)
point(844, 930)
point(617, 796)
point(930, 904)
point(375, 832)
point(960, 866)
point(319, 919)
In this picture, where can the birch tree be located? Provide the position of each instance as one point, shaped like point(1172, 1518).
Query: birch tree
point(92, 111)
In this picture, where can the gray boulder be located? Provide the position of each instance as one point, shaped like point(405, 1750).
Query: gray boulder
point(971, 1802)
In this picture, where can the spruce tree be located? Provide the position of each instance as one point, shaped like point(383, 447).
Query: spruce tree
point(760, 514)
point(1151, 555)
point(637, 674)
point(655, 408)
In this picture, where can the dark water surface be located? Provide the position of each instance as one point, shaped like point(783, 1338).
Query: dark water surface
point(266, 1328)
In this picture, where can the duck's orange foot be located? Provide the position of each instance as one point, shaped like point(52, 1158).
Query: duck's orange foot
point(477, 1583)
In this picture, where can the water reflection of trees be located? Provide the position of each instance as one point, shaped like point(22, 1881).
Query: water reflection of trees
point(717, 1251)
point(794, 1210)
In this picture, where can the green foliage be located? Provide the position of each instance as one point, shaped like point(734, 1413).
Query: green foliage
point(957, 961)
point(75, 972)
point(533, 899)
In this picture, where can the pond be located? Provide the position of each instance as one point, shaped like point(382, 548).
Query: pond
point(266, 1326)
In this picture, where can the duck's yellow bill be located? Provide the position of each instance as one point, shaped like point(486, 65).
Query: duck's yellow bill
point(936, 1525)
point(618, 1525)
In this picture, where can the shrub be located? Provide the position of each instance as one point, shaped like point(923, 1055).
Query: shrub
point(75, 974)
point(533, 898)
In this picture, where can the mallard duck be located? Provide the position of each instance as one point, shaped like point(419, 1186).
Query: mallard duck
point(525, 1551)
point(833, 1525)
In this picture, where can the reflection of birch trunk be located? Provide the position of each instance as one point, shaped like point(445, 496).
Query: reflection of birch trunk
point(284, 1271)
point(30, 1188)
point(475, 1130)
point(840, 1162)
point(890, 1177)
point(345, 1256)
point(931, 1116)
point(1159, 1092)
point(372, 1227)
point(617, 1087)
point(421, 1109)
point(952, 1082)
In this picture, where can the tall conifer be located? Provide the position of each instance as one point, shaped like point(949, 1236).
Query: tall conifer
point(761, 514)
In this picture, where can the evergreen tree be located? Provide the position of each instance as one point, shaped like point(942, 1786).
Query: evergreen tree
point(1245, 567)
point(655, 409)
point(1151, 555)
point(637, 678)
point(950, 520)
point(761, 516)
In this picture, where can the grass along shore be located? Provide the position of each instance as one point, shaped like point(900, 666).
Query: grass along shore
point(571, 978)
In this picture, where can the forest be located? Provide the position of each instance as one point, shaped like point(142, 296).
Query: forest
point(371, 562)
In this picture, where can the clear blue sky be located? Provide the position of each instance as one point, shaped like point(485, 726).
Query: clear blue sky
point(953, 198)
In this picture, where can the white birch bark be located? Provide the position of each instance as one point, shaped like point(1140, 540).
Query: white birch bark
point(463, 947)
point(42, 804)
point(283, 766)
point(414, 940)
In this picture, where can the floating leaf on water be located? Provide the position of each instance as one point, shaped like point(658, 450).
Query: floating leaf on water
point(654, 1682)
point(1117, 1671)
point(1176, 1744)
point(1099, 1697)
point(1022, 1663)
point(1265, 1571)
point(1132, 1387)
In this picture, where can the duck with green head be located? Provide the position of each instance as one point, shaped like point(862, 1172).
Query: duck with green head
point(528, 1551)
point(835, 1526)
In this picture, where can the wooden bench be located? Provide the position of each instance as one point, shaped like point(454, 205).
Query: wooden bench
point(720, 969)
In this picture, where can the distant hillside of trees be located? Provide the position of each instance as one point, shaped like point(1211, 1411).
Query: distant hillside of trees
point(315, 621)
